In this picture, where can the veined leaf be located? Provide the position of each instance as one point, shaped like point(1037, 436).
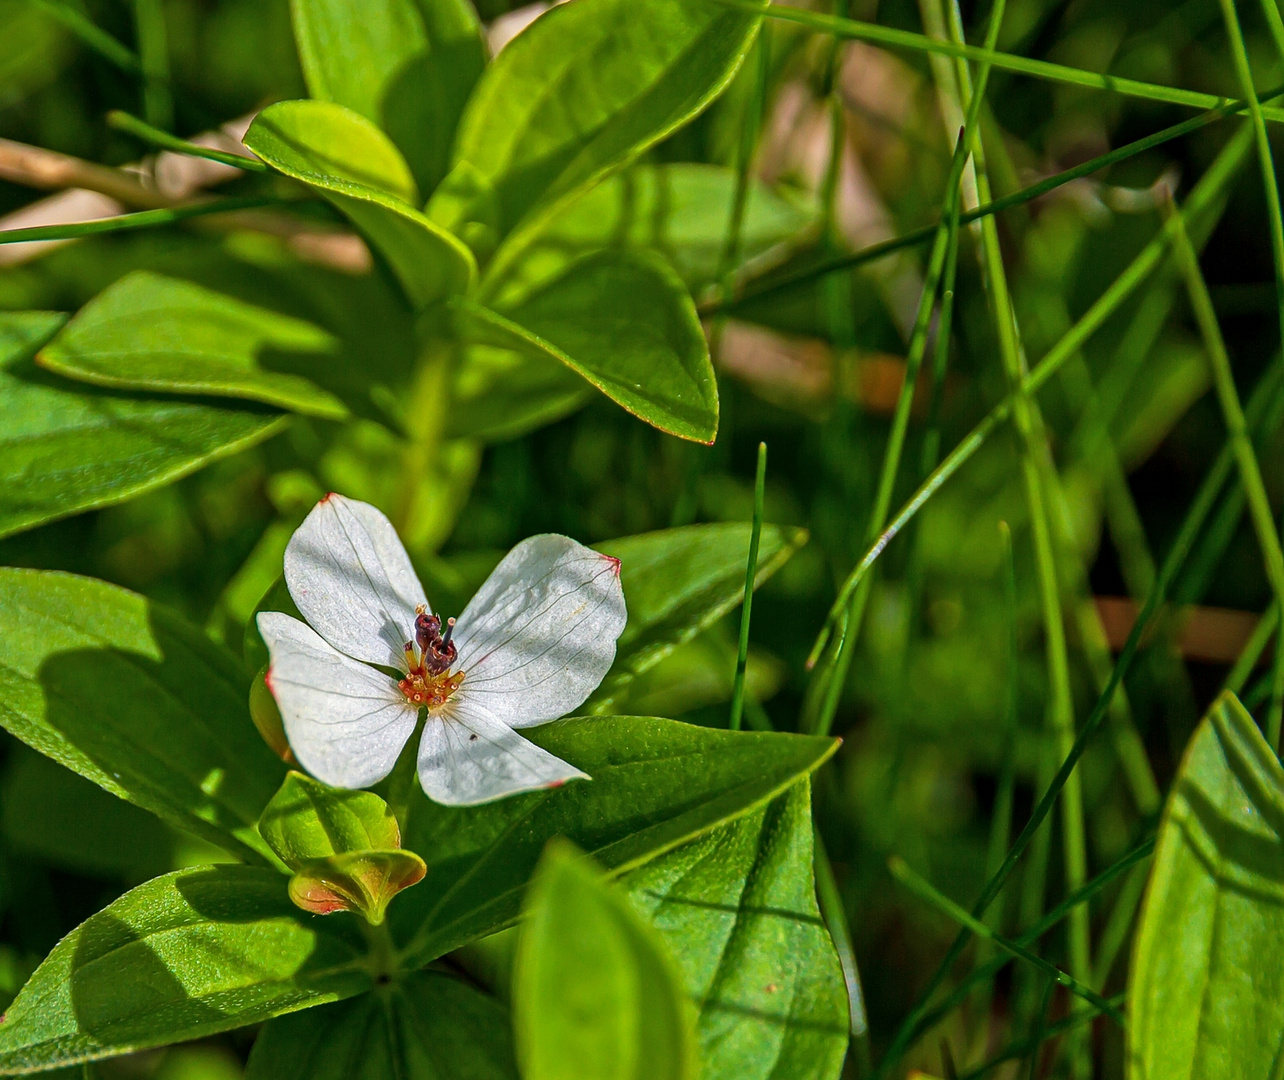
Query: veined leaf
point(679, 582)
point(185, 955)
point(407, 66)
point(655, 783)
point(148, 332)
point(1206, 987)
point(626, 323)
point(128, 695)
point(67, 447)
point(596, 995)
point(426, 1024)
point(589, 86)
point(500, 394)
point(354, 165)
point(738, 907)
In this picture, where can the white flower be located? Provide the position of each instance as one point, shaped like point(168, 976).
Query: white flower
point(531, 646)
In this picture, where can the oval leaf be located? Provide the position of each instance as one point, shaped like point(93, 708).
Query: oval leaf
point(128, 695)
point(352, 163)
point(596, 995)
point(68, 447)
point(738, 908)
point(656, 783)
point(186, 955)
point(426, 1024)
point(589, 86)
point(1206, 988)
point(149, 332)
point(627, 324)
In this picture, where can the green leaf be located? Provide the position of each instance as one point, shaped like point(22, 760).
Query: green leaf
point(1206, 987)
point(655, 784)
point(126, 694)
point(307, 819)
point(738, 908)
point(678, 583)
point(409, 67)
point(67, 447)
point(627, 324)
point(596, 994)
point(353, 164)
point(183, 956)
point(149, 332)
point(426, 1024)
point(343, 846)
point(588, 87)
point(681, 211)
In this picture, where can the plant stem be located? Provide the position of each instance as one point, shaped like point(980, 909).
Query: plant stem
point(751, 572)
point(123, 121)
point(924, 891)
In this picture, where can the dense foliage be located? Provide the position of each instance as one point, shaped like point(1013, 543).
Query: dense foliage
point(955, 331)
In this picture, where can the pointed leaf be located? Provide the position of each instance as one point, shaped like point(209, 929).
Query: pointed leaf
point(131, 697)
point(67, 447)
point(679, 582)
point(1206, 988)
point(427, 1024)
point(407, 66)
point(596, 995)
point(183, 956)
point(627, 324)
point(656, 783)
point(588, 87)
point(351, 162)
point(148, 332)
point(738, 908)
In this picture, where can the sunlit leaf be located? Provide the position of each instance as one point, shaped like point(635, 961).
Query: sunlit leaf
point(408, 66)
point(627, 324)
point(738, 908)
point(351, 162)
point(426, 1024)
point(149, 332)
point(596, 995)
point(588, 87)
point(655, 783)
point(126, 694)
point(1206, 989)
point(67, 447)
point(185, 955)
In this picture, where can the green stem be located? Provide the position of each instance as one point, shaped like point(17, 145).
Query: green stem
point(153, 53)
point(751, 572)
point(123, 121)
point(91, 35)
point(1252, 652)
point(1020, 65)
point(924, 891)
point(144, 219)
point(1020, 1049)
point(834, 913)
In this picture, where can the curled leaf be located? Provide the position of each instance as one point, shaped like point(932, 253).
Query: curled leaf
point(360, 881)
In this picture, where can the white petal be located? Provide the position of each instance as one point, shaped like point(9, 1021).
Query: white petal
point(469, 756)
point(346, 722)
point(352, 580)
point(540, 634)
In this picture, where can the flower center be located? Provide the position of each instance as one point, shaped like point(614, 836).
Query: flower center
point(429, 680)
